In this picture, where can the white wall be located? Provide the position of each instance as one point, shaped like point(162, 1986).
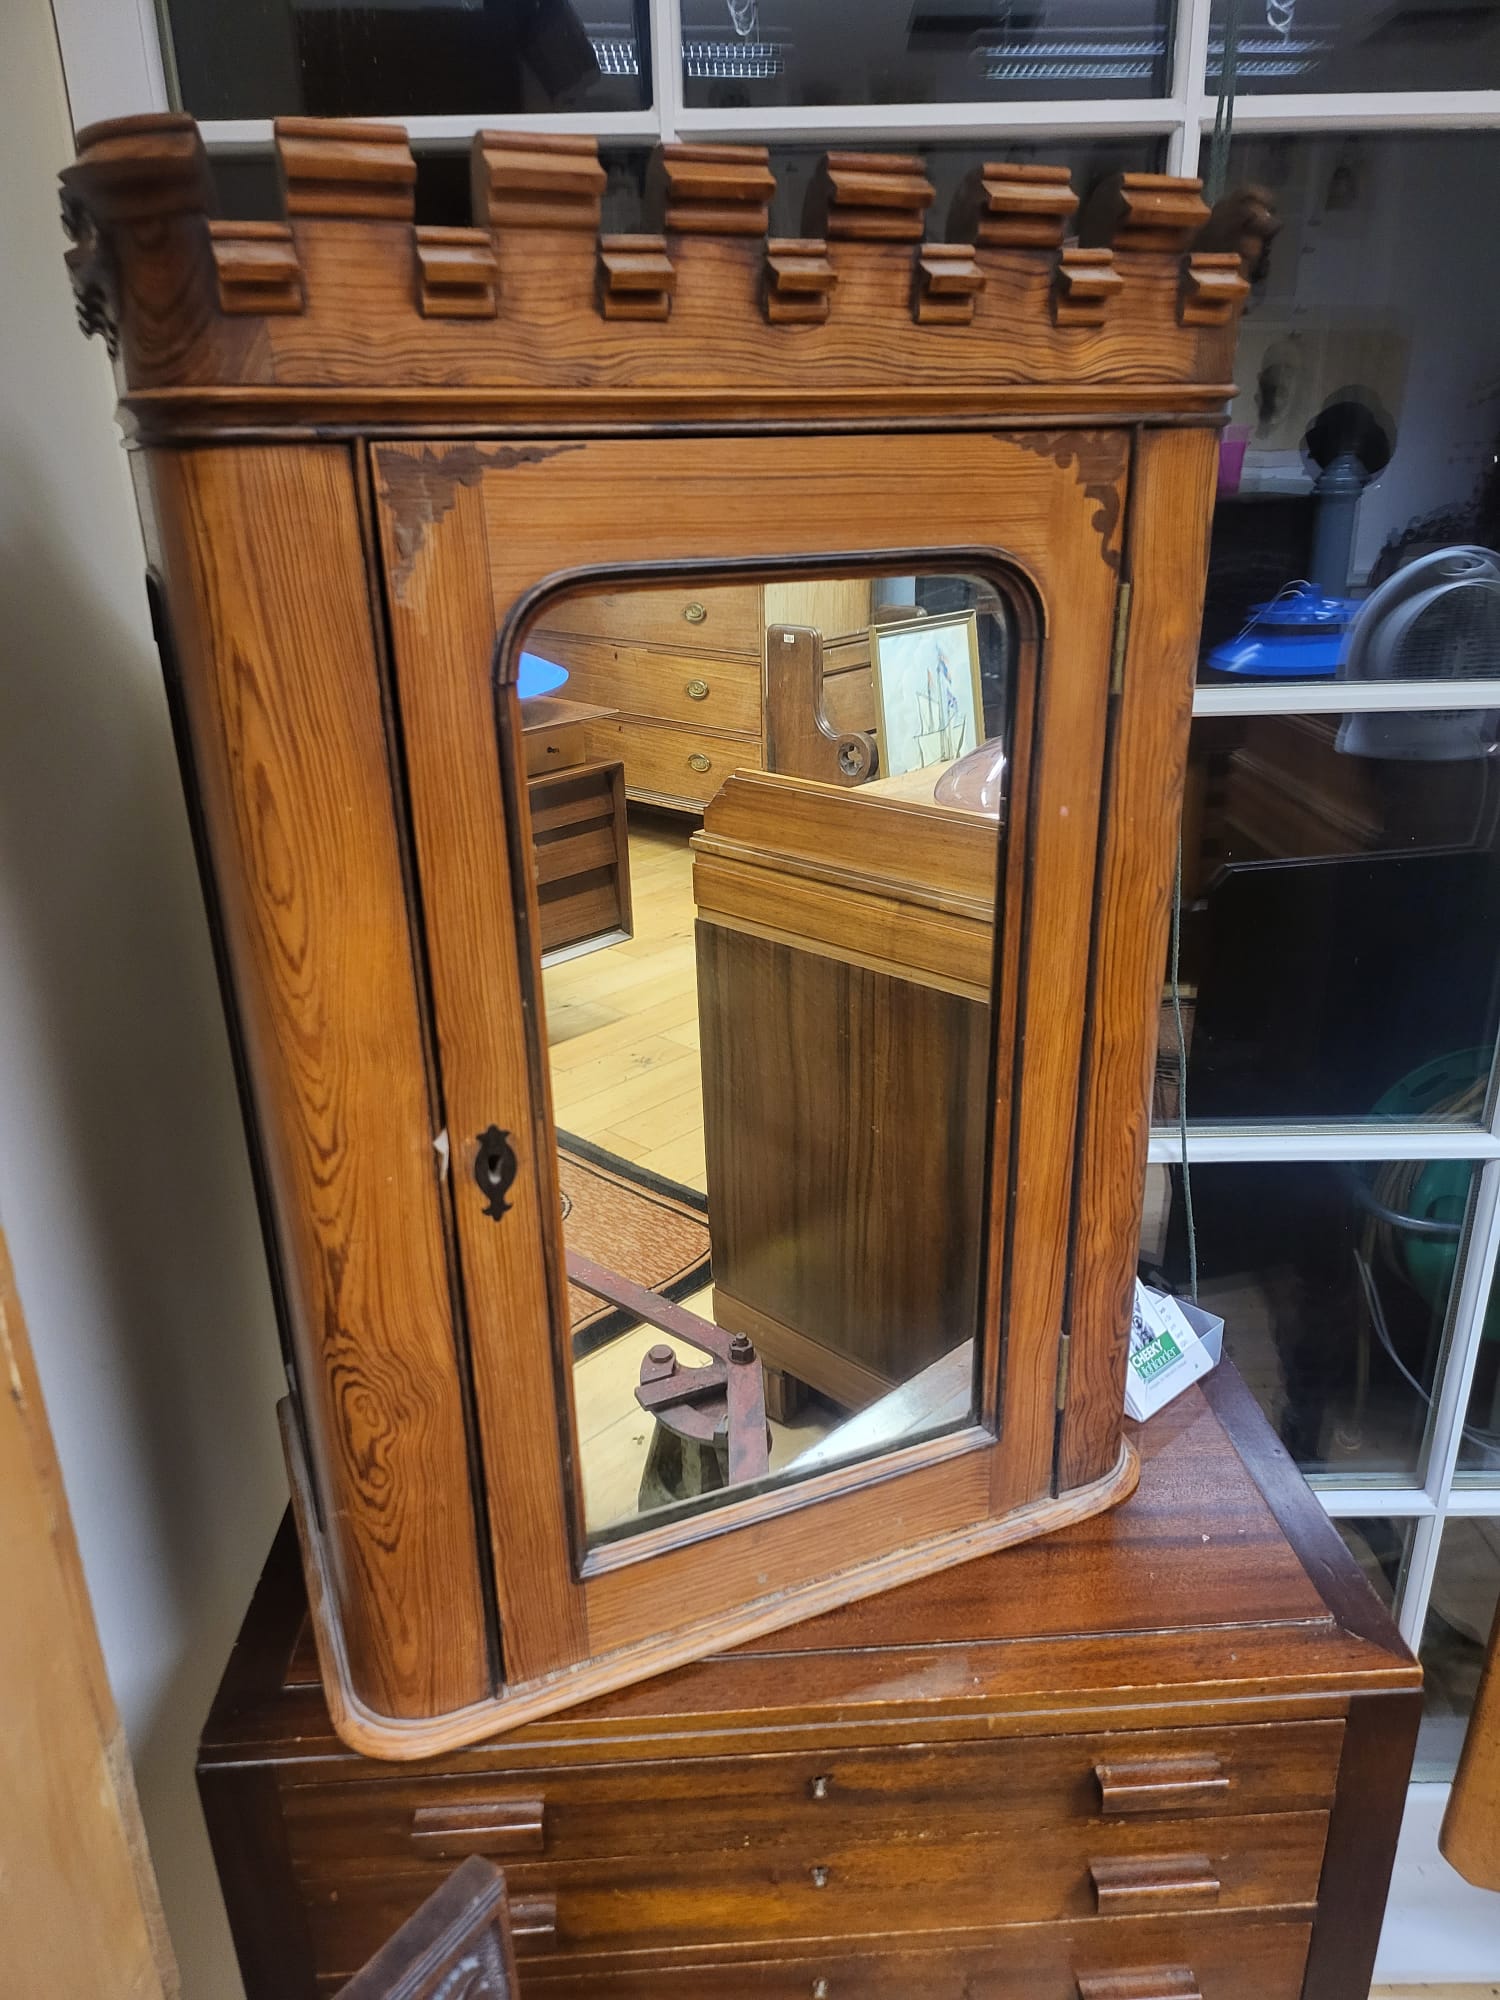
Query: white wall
point(123, 1184)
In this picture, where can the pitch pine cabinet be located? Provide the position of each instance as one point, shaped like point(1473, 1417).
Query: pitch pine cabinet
point(375, 456)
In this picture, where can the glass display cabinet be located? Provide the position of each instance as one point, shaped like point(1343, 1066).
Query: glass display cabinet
point(488, 559)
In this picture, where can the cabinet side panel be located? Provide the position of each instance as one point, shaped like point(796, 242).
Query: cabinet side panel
point(266, 587)
point(1171, 501)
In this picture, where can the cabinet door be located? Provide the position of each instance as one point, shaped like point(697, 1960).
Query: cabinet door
point(481, 543)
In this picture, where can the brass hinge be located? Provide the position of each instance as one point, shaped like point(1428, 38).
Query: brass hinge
point(1064, 1348)
point(1122, 633)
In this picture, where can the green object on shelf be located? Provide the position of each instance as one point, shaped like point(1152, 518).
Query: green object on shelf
point(1441, 1191)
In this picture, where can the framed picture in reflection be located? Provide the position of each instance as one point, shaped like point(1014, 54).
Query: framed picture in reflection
point(928, 705)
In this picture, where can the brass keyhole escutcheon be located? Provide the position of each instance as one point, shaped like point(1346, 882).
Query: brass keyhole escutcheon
point(698, 762)
point(695, 613)
point(819, 1788)
point(697, 690)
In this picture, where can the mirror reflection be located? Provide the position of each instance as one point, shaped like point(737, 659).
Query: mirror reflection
point(767, 819)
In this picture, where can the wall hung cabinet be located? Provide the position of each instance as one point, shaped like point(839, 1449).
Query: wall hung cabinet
point(379, 462)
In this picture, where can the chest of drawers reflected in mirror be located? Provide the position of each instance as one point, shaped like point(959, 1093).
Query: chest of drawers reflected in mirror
point(684, 733)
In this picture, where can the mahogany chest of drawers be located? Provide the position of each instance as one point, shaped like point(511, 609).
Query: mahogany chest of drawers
point(1159, 1754)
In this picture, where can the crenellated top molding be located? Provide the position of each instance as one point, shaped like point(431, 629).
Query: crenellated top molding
point(345, 309)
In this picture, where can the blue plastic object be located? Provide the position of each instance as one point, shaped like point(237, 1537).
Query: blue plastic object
point(1296, 635)
point(539, 676)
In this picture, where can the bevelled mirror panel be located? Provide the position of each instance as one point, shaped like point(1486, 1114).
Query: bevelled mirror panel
point(767, 874)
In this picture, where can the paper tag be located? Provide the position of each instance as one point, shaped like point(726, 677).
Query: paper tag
point(1166, 1353)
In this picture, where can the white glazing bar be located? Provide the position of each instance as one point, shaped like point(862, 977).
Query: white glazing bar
point(113, 60)
point(1189, 59)
point(1456, 1375)
point(993, 124)
point(1343, 697)
point(1372, 111)
point(1476, 1502)
point(666, 67)
point(230, 135)
point(1368, 1503)
point(1226, 1144)
point(1416, 1585)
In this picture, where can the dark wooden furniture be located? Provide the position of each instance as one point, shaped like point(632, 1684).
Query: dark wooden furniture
point(1163, 1752)
point(455, 1947)
point(374, 456)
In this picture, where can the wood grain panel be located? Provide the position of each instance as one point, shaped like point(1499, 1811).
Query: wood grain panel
point(266, 584)
point(471, 824)
point(1004, 1787)
point(816, 1886)
point(1230, 1959)
point(838, 1204)
point(1171, 503)
point(82, 1912)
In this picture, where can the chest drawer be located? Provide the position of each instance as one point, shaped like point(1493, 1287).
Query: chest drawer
point(584, 1811)
point(701, 690)
point(929, 1880)
point(717, 618)
point(1212, 1958)
point(686, 766)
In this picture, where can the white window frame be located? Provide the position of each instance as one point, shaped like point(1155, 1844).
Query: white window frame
point(114, 63)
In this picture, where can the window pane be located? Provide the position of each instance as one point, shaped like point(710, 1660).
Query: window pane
point(1363, 454)
point(1334, 1300)
point(1340, 953)
point(1460, 1613)
point(1380, 1546)
point(1479, 1446)
point(1359, 45)
point(265, 58)
point(810, 52)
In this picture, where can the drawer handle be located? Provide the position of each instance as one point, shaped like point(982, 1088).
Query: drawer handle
point(1153, 1881)
point(533, 1921)
point(698, 762)
point(697, 690)
point(1161, 1784)
point(695, 613)
point(508, 1826)
point(1157, 1982)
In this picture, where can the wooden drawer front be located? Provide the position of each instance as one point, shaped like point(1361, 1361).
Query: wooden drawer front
point(686, 766)
point(581, 857)
point(807, 1889)
point(746, 1803)
point(719, 618)
point(1212, 1958)
point(1139, 1959)
point(849, 699)
point(700, 690)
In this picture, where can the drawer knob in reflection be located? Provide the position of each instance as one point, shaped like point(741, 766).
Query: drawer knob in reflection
point(1161, 1784)
point(697, 690)
point(698, 762)
point(695, 613)
point(1157, 1982)
point(496, 1827)
point(1153, 1882)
